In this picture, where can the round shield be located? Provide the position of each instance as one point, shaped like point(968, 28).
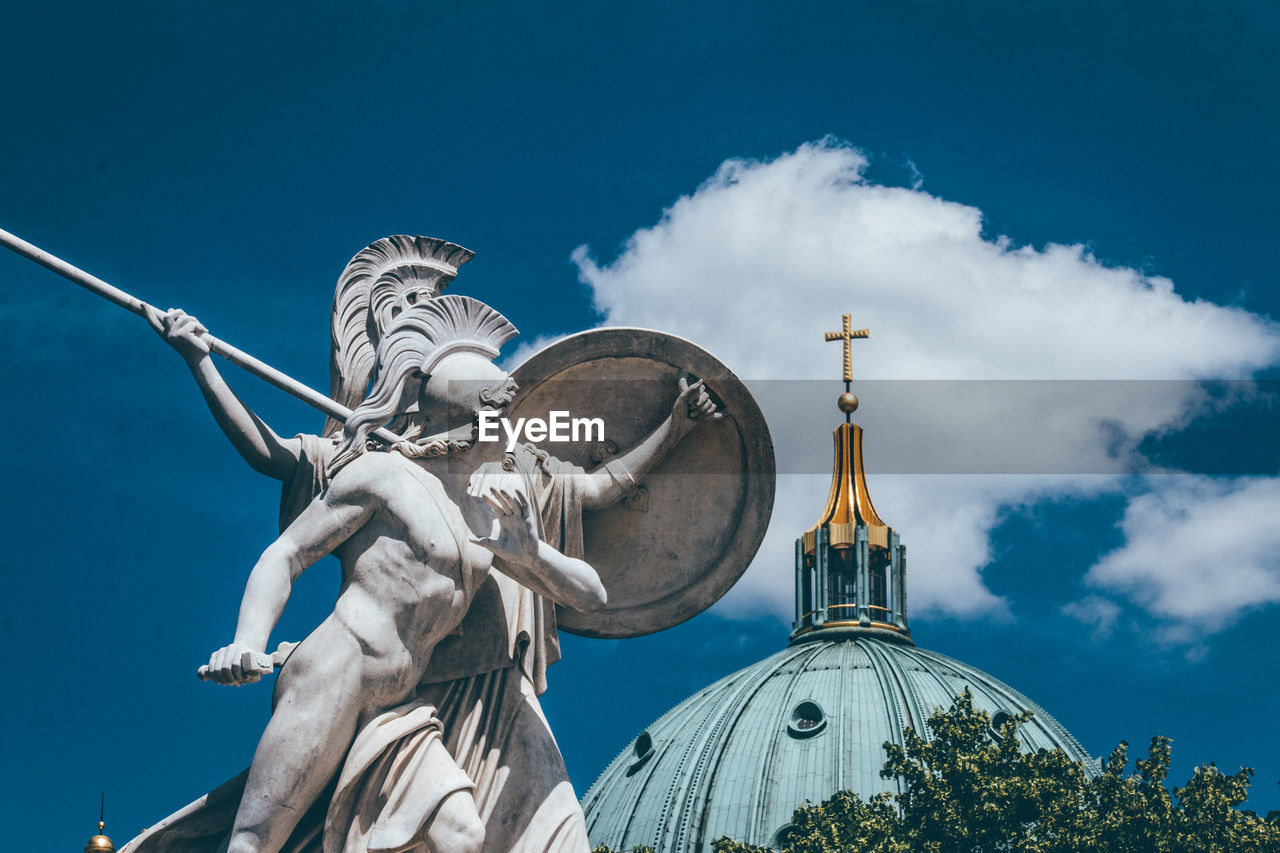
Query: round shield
point(685, 532)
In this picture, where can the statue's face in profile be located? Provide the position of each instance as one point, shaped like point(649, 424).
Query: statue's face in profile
point(460, 386)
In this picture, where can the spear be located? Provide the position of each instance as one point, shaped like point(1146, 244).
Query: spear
point(236, 356)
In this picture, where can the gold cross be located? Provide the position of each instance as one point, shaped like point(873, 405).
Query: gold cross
point(848, 334)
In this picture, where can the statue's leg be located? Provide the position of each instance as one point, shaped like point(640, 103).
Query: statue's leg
point(317, 707)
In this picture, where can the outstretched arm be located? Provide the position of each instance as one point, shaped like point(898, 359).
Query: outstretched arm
point(265, 451)
point(610, 482)
point(533, 563)
point(328, 521)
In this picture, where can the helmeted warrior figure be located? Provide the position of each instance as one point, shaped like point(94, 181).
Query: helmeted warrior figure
point(482, 681)
point(415, 545)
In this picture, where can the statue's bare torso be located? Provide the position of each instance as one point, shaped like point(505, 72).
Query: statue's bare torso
point(406, 533)
point(409, 572)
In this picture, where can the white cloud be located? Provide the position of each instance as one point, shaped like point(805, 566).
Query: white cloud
point(1098, 613)
point(1199, 551)
point(765, 256)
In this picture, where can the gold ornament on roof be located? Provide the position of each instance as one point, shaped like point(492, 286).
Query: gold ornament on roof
point(850, 565)
point(100, 843)
point(849, 502)
point(848, 335)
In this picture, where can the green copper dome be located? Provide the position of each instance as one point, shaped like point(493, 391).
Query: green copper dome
point(737, 757)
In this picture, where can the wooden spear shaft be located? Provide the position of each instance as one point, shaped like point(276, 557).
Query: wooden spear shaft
point(236, 356)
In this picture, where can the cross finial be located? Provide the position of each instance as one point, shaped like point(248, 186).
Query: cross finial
point(848, 334)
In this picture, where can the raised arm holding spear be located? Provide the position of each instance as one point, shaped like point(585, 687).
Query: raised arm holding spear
point(193, 341)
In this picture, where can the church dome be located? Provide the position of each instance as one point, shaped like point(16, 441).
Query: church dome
point(737, 757)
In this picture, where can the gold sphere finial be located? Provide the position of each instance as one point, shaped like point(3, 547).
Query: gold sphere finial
point(100, 843)
point(848, 402)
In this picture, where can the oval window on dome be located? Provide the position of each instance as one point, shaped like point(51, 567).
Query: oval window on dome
point(641, 752)
point(807, 720)
point(998, 719)
point(782, 838)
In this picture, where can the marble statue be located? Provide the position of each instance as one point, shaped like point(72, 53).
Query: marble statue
point(481, 685)
point(410, 720)
point(415, 545)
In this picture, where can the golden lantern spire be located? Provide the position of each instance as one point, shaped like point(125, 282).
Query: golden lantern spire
point(850, 566)
point(849, 502)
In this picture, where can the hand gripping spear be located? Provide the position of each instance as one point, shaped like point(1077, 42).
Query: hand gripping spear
point(237, 357)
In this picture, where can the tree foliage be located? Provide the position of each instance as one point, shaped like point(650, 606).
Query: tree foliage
point(969, 789)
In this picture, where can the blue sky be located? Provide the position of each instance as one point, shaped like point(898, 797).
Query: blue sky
point(230, 160)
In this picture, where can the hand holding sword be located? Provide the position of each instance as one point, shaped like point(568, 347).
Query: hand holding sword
point(238, 664)
point(234, 664)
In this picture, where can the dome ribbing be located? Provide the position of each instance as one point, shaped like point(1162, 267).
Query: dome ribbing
point(737, 757)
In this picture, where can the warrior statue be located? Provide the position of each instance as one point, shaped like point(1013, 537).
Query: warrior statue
point(414, 546)
point(409, 720)
point(485, 680)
